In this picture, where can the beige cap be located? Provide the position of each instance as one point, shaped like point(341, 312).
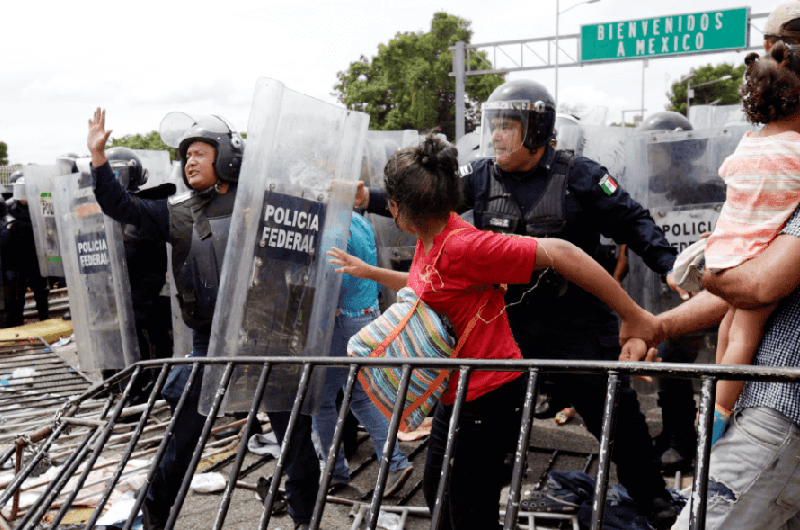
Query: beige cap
point(777, 21)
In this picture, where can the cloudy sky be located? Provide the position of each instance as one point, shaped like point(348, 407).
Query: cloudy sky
point(63, 59)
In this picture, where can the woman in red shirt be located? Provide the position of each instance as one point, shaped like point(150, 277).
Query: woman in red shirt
point(454, 264)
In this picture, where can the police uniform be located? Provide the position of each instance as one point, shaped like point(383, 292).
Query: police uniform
point(572, 198)
point(21, 266)
point(197, 226)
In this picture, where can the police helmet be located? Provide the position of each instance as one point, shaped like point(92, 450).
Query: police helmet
point(525, 101)
point(127, 167)
point(180, 130)
point(666, 121)
point(67, 161)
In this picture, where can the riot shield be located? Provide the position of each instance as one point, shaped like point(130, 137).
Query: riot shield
point(395, 247)
point(97, 275)
point(278, 293)
point(675, 175)
point(157, 164)
point(39, 188)
point(569, 134)
point(606, 146)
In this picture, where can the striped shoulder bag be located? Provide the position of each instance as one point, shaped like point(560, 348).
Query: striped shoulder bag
point(407, 329)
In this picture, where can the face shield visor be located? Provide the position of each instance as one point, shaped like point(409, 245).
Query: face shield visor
point(127, 175)
point(504, 127)
point(178, 126)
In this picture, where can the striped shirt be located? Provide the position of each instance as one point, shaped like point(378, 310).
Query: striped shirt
point(763, 190)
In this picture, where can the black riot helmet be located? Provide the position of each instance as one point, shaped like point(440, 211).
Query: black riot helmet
point(521, 100)
point(666, 121)
point(180, 130)
point(127, 167)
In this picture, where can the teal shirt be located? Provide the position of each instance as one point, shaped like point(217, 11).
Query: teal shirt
point(357, 294)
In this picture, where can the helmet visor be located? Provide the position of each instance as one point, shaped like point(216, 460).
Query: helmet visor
point(504, 127)
point(176, 126)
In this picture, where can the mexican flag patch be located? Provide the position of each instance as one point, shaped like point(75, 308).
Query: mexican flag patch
point(608, 185)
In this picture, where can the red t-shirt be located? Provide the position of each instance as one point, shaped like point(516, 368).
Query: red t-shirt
point(474, 260)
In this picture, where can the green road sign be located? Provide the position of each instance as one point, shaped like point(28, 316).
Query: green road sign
point(664, 36)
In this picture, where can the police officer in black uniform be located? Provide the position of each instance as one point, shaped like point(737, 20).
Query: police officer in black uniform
point(196, 223)
point(147, 268)
point(20, 261)
point(532, 189)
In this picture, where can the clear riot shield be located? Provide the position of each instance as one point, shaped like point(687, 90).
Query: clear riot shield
point(97, 275)
point(278, 293)
point(39, 188)
point(157, 164)
point(675, 175)
point(606, 146)
point(395, 247)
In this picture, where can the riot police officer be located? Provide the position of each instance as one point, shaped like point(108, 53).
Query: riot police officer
point(532, 189)
point(196, 223)
point(676, 181)
point(147, 266)
point(20, 262)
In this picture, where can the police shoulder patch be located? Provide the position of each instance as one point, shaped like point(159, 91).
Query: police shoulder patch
point(465, 170)
point(181, 197)
point(608, 185)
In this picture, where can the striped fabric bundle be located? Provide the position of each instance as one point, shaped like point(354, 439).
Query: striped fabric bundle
point(422, 335)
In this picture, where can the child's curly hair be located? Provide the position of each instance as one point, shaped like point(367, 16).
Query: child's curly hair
point(771, 88)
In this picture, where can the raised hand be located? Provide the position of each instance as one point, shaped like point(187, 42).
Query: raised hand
point(98, 137)
point(348, 264)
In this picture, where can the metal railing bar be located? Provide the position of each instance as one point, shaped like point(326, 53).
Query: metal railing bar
point(606, 449)
point(227, 495)
point(128, 450)
point(520, 456)
point(37, 510)
point(40, 454)
point(272, 493)
point(97, 450)
point(198, 450)
point(679, 370)
point(333, 450)
point(452, 438)
point(698, 500)
point(162, 447)
point(391, 439)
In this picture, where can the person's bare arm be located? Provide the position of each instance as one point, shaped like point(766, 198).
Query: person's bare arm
point(579, 268)
point(702, 311)
point(763, 280)
point(352, 265)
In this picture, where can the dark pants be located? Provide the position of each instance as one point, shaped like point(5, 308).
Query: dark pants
point(302, 466)
point(488, 429)
point(17, 283)
point(637, 464)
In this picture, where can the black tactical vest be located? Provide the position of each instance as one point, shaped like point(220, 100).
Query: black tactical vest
point(547, 215)
point(199, 232)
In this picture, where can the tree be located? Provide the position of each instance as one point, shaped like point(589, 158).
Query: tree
point(723, 93)
point(3, 154)
point(408, 86)
point(151, 141)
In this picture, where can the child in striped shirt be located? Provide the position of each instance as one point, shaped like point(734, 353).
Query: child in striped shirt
point(763, 190)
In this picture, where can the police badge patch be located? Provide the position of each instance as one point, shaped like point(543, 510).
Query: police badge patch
point(465, 170)
point(608, 185)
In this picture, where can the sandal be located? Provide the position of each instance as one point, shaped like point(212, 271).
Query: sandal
point(554, 501)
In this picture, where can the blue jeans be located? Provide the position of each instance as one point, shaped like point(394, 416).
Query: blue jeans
point(364, 410)
point(754, 474)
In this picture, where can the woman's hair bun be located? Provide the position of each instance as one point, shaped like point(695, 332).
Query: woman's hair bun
point(436, 154)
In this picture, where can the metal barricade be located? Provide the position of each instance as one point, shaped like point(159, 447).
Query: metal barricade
point(100, 428)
